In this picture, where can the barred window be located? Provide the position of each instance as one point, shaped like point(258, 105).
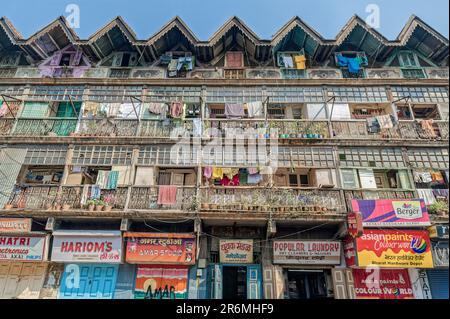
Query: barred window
point(233, 94)
point(428, 158)
point(162, 155)
point(305, 157)
point(189, 94)
point(421, 94)
point(371, 157)
point(102, 155)
point(358, 94)
point(12, 90)
point(56, 93)
point(46, 155)
point(295, 94)
point(118, 94)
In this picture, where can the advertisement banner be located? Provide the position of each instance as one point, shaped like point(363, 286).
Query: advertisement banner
point(236, 251)
point(394, 249)
point(159, 248)
point(105, 247)
point(161, 282)
point(382, 284)
point(306, 252)
point(22, 248)
point(438, 231)
point(15, 225)
point(392, 212)
point(349, 251)
point(354, 224)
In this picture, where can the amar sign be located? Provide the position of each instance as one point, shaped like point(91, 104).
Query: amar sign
point(394, 249)
point(392, 213)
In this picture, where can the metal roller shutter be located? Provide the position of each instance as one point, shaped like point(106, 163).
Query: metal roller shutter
point(438, 280)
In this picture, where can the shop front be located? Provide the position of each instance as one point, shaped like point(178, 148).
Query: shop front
point(306, 266)
point(438, 277)
point(236, 276)
point(91, 261)
point(23, 256)
point(163, 263)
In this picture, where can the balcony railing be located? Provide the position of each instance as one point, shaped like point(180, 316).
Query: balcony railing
point(278, 200)
point(44, 127)
point(6, 126)
point(163, 129)
point(147, 198)
point(107, 127)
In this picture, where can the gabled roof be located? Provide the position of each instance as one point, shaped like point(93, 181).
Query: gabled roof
point(120, 24)
point(228, 25)
point(290, 25)
point(175, 23)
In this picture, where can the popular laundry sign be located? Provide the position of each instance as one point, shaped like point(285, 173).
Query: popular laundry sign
point(236, 251)
point(160, 248)
point(306, 252)
point(22, 248)
point(87, 247)
point(394, 249)
point(382, 283)
point(392, 213)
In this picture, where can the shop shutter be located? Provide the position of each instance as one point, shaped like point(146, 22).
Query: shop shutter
point(21, 280)
point(126, 279)
point(11, 161)
point(350, 284)
point(217, 277)
point(254, 282)
point(439, 280)
point(193, 288)
point(339, 283)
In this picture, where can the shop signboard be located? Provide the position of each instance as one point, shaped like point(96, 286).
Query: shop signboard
point(22, 248)
point(392, 212)
point(349, 251)
point(87, 247)
point(306, 252)
point(354, 224)
point(438, 231)
point(376, 283)
point(440, 253)
point(160, 248)
point(394, 249)
point(15, 225)
point(236, 251)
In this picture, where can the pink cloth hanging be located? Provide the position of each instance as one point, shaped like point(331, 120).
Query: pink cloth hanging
point(176, 109)
point(167, 195)
point(207, 172)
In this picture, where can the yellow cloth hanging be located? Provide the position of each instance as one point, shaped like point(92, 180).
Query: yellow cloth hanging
point(228, 172)
point(217, 173)
point(300, 62)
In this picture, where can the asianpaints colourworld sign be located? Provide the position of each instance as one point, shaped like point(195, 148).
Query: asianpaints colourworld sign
point(91, 249)
point(394, 249)
point(158, 248)
point(22, 248)
point(382, 284)
point(392, 213)
point(306, 252)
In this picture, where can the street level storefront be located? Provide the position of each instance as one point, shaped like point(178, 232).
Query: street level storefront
point(306, 266)
point(438, 277)
point(91, 261)
point(23, 256)
point(163, 261)
point(236, 276)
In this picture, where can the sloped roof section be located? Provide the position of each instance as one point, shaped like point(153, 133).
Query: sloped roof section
point(416, 35)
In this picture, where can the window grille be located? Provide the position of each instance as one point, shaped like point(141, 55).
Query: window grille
point(421, 94)
point(56, 93)
point(46, 155)
point(428, 158)
point(12, 90)
point(233, 95)
point(114, 93)
point(102, 155)
point(295, 94)
point(371, 157)
point(305, 157)
point(358, 94)
point(188, 94)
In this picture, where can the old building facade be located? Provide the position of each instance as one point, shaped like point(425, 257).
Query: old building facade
point(236, 167)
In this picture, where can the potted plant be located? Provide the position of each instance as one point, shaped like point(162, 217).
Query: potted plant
point(439, 208)
point(109, 202)
point(91, 204)
point(65, 207)
point(57, 205)
point(99, 205)
point(8, 206)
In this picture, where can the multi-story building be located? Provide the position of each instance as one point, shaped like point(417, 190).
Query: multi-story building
point(119, 179)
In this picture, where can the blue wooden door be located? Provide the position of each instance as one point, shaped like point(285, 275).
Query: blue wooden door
point(217, 281)
point(254, 287)
point(88, 281)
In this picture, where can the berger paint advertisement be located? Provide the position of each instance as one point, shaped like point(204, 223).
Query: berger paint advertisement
point(392, 213)
point(22, 248)
point(74, 247)
point(236, 251)
point(306, 252)
point(169, 248)
point(382, 284)
point(394, 249)
point(161, 282)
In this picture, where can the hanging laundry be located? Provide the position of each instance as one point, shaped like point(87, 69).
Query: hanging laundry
point(197, 125)
point(84, 194)
point(300, 62)
point(243, 176)
point(167, 195)
point(207, 172)
point(427, 195)
point(102, 179)
point(437, 177)
point(234, 110)
point(217, 172)
point(253, 170)
point(287, 61)
point(113, 178)
point(254, 178)
point(226, 181)
point(95, 192)
point(176, 109)
point(129, 110)
point(90, 109)
point(159, 108)
point(255, 109)
point(427, 126)
point(441, 193)
point(3, 109)
point(228, 172)
point(353, 64)
point(373, 126)
point(384, 121)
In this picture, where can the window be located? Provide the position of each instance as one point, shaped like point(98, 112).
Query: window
point(349, 178)
point(295, 94)
point(169, 93)
point(408, 59)
point(371, 157)
point(233, 95)
point(56, 93)
point(46, 155)
point(102, 155)
point(428, 158)
point(114, 93)
point(371, 94)
point(234, 60)
point(293, 181)
point(65, 60)
point(421, 94)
